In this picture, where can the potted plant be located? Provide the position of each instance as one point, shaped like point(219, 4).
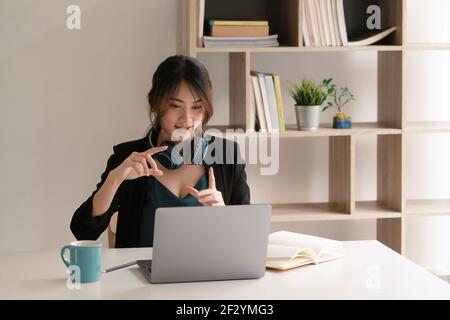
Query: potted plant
point(308, 97)
point(341, 120)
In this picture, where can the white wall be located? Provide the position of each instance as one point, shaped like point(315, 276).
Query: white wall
point(67, 97)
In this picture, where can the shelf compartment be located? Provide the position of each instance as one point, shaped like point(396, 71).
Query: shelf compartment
point(387, 174)
point(285, 19)
point(427, 179)
point(390, 151)
point(325, 211)
point(390, 88)
point(428, 126)
point(326, 129)
point(283, 16)
point(341, 171)
point(428, 207)
point(388, 202)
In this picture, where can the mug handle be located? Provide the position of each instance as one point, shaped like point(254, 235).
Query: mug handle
point(64, 260)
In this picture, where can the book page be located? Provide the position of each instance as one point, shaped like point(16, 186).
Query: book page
point(371, 37)
point(284, 264)
point(302, 241)
point(259, 103)
point(328, 256)
point(279, 251)
point(272, 100)
point(341, 21)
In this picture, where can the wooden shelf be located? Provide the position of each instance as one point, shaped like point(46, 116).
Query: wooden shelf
point(285, 19)
point(428, 207)
point(326, 130)
point(428, 126)
point(298, 49)
point(428, 46)
point(325, 212)
point(374, 208)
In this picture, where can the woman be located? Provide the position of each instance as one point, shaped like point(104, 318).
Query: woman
point(135, 183)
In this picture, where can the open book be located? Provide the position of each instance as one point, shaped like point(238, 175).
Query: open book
point(289, 250)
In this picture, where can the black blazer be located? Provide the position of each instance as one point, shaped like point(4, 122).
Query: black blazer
point(231, 180)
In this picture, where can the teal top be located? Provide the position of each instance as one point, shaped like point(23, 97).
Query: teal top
point(160, 196)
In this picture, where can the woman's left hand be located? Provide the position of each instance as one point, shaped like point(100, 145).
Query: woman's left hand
point(210, 196)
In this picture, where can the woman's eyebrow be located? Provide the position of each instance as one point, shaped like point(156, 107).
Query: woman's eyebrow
point(179, 100)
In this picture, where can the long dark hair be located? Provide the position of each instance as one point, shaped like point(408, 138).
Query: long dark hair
point(166, 80)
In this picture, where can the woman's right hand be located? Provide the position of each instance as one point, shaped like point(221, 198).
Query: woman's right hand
point(137, 165)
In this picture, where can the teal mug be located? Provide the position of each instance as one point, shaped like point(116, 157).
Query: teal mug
point(85, 260)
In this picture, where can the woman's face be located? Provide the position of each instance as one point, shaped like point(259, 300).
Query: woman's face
point(183, 115)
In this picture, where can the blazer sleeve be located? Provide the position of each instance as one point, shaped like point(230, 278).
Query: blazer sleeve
point(240, 192)
point(83, 225)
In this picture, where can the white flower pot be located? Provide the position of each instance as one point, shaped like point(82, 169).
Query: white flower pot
point(308, 117)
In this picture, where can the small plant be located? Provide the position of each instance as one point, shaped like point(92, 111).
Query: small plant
point(338, 100)
point(309, 97)
point(308, 93)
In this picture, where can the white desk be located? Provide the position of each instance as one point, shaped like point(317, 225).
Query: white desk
point(369, 270)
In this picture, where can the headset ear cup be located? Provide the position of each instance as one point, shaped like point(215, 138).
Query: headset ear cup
point(173, 158)
point(169, 158)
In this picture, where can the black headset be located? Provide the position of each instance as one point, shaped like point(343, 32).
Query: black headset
point(173, 158)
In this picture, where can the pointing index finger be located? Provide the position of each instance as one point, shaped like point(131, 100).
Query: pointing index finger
point(192, 191)
point(156, 150)
point(212, 179)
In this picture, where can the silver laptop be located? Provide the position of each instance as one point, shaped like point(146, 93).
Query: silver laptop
point(209, 243)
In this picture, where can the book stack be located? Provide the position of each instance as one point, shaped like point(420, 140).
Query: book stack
point(239, 33)
point(266, 102)
point(324, 25)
